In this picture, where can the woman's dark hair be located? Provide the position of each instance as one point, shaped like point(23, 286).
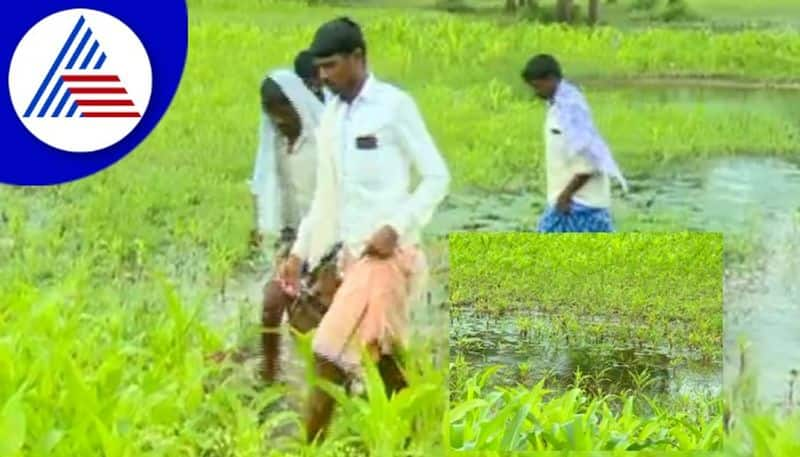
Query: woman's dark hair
point(541, 66)
point(304, 65)
point(272, 95)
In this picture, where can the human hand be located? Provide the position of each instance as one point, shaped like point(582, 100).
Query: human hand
point(383, 242)
point(564, 202)
point(289, 275)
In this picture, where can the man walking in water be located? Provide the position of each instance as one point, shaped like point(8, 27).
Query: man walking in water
point(370, 138)
point(578, 160)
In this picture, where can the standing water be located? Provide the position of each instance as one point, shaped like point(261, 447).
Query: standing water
point(755, 199)
point(759, 197)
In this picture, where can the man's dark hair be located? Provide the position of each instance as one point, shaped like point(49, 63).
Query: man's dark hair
point(541, 66)
point(339, 36)
point(271, 94)
point(304, 65)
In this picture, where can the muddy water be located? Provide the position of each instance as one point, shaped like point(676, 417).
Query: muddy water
point(525, 358)
point(235, 313)
point(758, 198)
point(762, 304)
point(754, 198)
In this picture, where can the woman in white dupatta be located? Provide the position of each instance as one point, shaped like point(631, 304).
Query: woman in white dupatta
point(283, 184)
point(284, 174)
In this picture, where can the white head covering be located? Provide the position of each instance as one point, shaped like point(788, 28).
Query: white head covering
point(307, 105)
point(264, 183)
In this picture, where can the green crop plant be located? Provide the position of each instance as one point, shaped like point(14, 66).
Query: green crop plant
point(531, 419)
point(667, 284)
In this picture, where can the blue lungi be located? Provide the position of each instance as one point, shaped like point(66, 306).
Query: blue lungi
point(581, 218)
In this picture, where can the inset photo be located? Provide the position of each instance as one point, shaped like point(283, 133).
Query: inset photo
point(613, 340)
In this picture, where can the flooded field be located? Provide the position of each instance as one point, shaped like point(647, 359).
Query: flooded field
point(761, 198)
point(529, 346)
point(751, 199)
point(754, 201)
point(82, 271)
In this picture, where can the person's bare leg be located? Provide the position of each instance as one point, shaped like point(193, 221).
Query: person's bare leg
point(320, 404)
point(394, 380)
point(274, 304)
point(392, 374)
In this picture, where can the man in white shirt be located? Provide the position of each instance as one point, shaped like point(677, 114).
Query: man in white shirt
point(371, 137)
point(578, 161)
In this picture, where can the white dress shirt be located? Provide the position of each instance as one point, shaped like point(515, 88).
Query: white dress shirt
point(297, 172)
point(373, 145)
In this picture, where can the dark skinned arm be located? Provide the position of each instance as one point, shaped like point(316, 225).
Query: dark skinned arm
point(577, 182)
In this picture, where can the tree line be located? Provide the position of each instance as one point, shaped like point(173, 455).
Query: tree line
point(566, 10)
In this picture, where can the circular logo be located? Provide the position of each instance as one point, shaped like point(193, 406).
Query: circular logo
point(80, 80)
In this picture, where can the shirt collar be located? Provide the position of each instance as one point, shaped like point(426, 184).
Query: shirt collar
point(367, 89)
point(552, 100)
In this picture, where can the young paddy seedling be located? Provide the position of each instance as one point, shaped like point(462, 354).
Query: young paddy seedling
point(524, 325)
point(532, 419)
point(523, 372)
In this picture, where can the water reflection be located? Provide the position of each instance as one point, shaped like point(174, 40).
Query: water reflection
point(758, 198)
point(527, 356)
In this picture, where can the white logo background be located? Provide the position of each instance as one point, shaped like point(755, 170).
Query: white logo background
point(126, 58)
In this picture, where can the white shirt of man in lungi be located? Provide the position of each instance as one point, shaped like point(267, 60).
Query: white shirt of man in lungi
point(579, 164)
point(371, 137)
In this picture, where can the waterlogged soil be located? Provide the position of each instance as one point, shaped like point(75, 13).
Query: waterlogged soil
point(759, 198)
point(525, 357)
point(755, 199)
point(235, 313)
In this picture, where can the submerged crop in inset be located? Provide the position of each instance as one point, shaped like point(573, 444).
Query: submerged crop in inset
point(615, 325)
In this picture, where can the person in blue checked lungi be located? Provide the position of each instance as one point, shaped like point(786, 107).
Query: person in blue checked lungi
point(579, 164)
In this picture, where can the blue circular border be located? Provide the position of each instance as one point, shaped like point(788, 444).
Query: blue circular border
point(163, 28)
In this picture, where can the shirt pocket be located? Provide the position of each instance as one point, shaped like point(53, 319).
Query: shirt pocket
point(373, 144)
point(554, 135)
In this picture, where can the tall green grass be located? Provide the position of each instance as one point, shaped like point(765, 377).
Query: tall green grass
point(83, 375)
